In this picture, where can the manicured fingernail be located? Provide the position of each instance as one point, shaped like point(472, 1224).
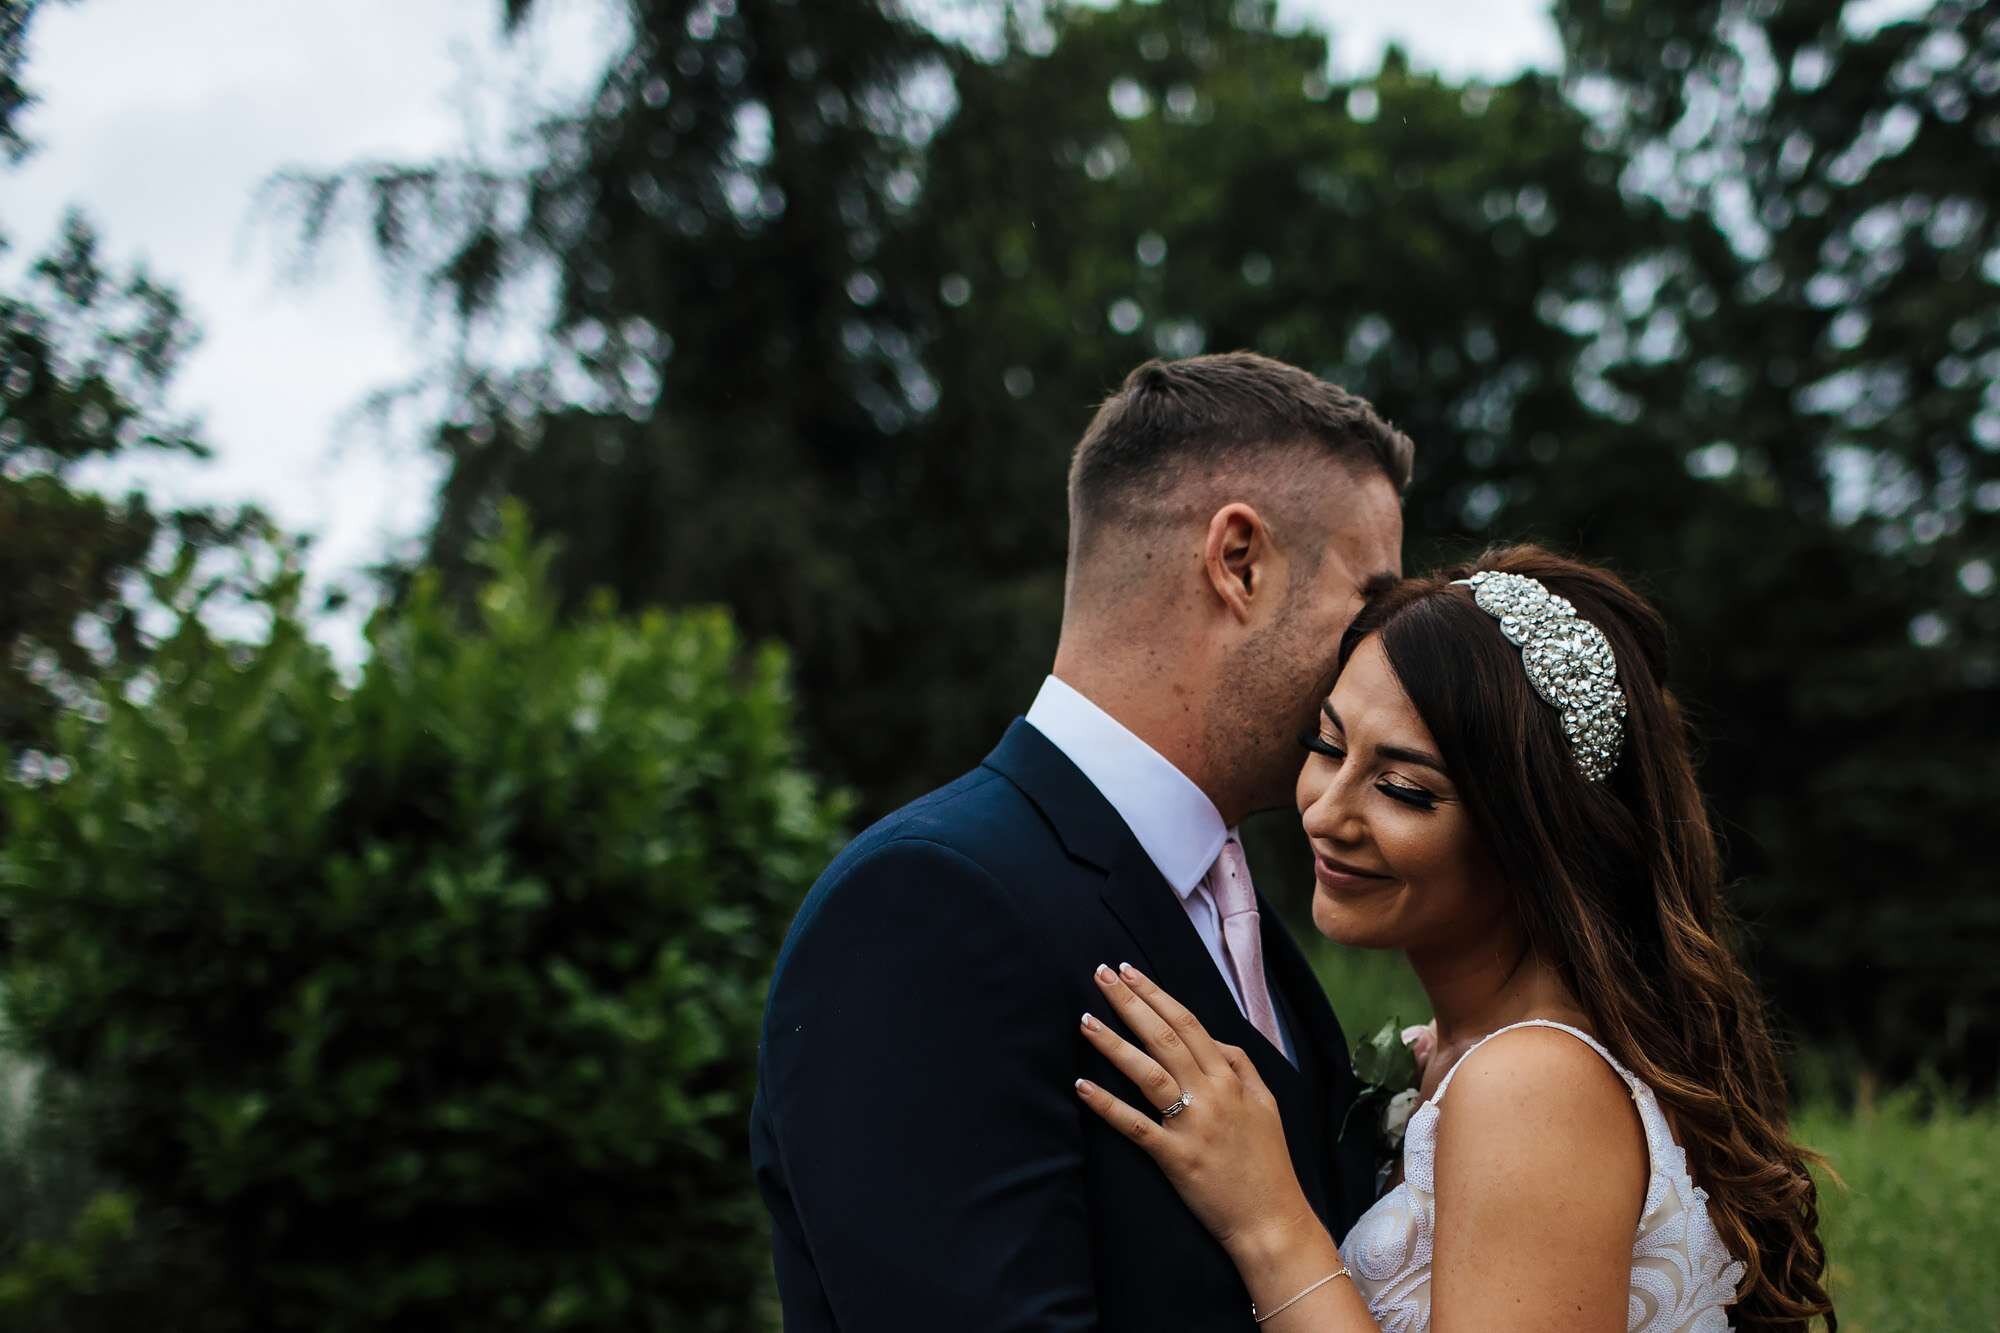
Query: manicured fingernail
point(1089, 1023)
point(1128, 970)
point(1085, 1086)
point(1104, 973)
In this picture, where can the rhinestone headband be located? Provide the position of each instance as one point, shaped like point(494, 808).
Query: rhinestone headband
point(1568, 661)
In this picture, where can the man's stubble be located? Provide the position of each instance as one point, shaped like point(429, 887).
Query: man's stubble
point(1269, 692)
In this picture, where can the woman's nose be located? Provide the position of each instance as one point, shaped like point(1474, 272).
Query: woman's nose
point(1332, 815)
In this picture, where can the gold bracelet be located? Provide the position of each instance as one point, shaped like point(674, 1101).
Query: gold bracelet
point(1260, 1318)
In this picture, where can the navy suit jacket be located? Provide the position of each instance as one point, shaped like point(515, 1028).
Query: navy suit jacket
point(916, 1134)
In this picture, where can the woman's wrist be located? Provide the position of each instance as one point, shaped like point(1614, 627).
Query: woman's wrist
point(1282, 1253)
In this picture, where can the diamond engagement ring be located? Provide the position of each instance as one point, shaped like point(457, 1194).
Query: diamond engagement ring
point(1186, 1100)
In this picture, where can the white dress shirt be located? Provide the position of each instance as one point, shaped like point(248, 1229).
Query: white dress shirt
point(1174, 821)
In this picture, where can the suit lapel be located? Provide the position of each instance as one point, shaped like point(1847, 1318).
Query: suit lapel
point(1350, 1156)
point(1086, 824)
point(1171, 951)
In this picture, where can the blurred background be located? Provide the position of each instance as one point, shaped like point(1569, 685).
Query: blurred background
point(493, 493)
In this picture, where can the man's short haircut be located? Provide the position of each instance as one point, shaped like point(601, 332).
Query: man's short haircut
point(1171, 419)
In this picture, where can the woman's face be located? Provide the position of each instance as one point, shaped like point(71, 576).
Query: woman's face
point(1396, 863)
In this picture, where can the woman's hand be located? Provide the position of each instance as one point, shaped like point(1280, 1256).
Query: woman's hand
point(1225, 1151)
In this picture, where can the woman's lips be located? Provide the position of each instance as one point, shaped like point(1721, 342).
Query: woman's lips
point(1339, 875)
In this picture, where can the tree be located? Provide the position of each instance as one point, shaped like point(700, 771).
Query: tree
point(1832, 347)
point(843, 294)
point(703, 421)
point(86, 355)
point(859, 335)
point(1162, 180)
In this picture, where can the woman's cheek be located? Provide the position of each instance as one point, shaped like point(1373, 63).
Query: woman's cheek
point(1398, 914)
point(1374, 920)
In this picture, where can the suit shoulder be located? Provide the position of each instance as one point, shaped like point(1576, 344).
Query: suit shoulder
point(965, 860)
point(969, 816)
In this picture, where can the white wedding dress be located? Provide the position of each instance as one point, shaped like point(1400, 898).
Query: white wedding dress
point(1683, 1277)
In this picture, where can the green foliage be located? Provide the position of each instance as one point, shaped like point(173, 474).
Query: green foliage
point(428, 1001)
point(45, 1183)
point(60, 1285)
point(86, 354)
point(1383, 1061)
point(1714, 306)
point(1910, 1224)
point(75, 1254)
point(703, 217)
point(85, 358)
point(1825, 351)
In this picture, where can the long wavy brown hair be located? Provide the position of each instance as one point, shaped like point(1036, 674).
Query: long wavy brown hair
point(1618, 885)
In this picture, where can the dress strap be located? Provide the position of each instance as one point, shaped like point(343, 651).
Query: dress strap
point(1581, 1036)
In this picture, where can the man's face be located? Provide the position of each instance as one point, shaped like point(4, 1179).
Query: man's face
point(1283, 672)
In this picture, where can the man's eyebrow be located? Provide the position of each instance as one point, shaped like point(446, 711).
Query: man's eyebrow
point(1390, 751)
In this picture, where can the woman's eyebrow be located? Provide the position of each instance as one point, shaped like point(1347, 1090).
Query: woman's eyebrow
point(1412, 757)
point(1390, 751)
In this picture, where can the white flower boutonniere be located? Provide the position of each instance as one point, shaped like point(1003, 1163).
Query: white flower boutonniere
point(1396, 1117)
point(1386, 1064)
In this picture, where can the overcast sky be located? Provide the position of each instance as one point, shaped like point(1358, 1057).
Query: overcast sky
point(162, 120)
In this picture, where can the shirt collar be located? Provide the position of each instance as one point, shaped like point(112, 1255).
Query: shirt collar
point(1174, 821)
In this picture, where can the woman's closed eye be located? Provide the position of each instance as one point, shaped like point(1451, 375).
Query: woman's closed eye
point(1396, 789)
point(1319, 743)
point(1415, 797)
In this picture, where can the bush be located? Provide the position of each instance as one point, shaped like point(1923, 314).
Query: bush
point(430, 1002)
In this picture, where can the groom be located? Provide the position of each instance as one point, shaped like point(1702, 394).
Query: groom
point(916, 1136)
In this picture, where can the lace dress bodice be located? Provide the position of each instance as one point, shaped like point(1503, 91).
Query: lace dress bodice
point(1683, 1277)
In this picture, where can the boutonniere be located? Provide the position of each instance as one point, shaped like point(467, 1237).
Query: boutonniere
point(1386, 1064)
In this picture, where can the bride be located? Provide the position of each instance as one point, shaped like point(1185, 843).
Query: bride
point(1501, 787)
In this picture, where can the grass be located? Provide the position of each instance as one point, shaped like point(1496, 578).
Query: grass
point(1912, 1228)
point(1914, 1234)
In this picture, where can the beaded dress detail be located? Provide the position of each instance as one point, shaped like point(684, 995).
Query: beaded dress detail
point(1683, 1276)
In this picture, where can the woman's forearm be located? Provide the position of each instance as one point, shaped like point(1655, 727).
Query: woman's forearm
point(1284, 1259)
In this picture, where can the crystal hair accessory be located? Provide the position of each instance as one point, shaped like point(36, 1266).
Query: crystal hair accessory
point(1568, 661)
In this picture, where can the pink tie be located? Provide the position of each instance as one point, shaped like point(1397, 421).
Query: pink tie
point(1242, 938)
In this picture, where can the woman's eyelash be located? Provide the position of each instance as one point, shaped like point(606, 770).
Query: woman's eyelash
point(1415, 797)
point(1319, 744)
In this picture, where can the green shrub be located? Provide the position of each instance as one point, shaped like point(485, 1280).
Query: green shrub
point(73, 1255)
point(430, 1001)
point(56, 1222)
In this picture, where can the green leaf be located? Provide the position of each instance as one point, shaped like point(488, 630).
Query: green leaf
point(1383, 1062)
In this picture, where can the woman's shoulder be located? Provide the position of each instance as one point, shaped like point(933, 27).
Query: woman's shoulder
point(1542, 1104)
point(1539, 1056)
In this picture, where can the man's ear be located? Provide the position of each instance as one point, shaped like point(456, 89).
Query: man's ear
point(1239, 557)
